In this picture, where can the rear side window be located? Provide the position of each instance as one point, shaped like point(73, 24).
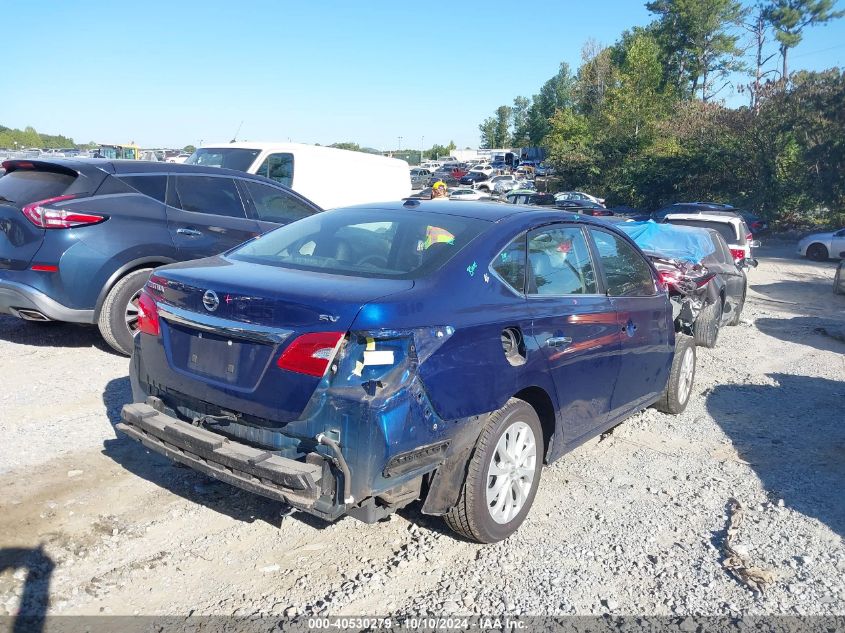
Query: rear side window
point(365, 243)
point(153, 186)
point(510, 264)
point(278, 167)
point(559, 262)
point(236, 158)
point(207, 194)
point(725, 229)
point(276, 205)
point(628, 274)
point(24, 186)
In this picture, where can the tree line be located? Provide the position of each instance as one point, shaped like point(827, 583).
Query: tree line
point(642, 123)
point(11, 138)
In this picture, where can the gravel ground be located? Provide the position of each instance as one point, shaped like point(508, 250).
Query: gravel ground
point(633, 524)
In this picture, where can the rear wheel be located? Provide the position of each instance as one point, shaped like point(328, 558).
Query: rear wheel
point(817, 252)
point(679, 386)
point(118, 320)
point(503, 475)
point(706, 326)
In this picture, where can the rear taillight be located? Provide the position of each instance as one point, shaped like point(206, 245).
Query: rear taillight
point(310, 353)
point(148, 322)
point(669, 277)
point(46, 218)
point(738, 253)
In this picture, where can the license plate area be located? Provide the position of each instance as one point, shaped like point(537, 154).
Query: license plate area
point(215, 356)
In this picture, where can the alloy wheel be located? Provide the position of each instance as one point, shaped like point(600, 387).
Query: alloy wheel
point(510, 474)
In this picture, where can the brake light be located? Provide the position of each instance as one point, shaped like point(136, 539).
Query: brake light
point(669, 277)
point(738, 253)
point(45, 218)
point(148, 322)
point(310, 353)
point(45, 268)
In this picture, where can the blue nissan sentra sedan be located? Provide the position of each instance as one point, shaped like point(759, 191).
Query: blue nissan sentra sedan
point(364, 358)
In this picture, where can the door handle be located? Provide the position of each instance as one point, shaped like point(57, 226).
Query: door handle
point(189, 232)
point(558, 341)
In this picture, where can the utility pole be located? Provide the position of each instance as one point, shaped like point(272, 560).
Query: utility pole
point(400, 144)
point(422, 149)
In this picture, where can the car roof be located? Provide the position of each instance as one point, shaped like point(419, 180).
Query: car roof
point(133, 166)
point(490, 211)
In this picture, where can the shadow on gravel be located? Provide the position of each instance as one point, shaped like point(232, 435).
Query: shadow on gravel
point(812, 292)
point(793, 436)
point(824, 334)
point(51, 334)
point(35, 597)
point(181, 480)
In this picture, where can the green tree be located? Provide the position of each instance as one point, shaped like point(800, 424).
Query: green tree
point(595, 77)
point(488, 132)
point(789, 19)
point(700, 41)
point(347, 145)
point(556, 94)
point(519, 121)
point(502, 137)
point(189, 149)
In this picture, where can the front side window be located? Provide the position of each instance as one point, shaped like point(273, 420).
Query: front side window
point(365, 243)
point(510, 264)
point(207, 194)
point(275, 205)
point(628, 274)
point(278, 167)
point(559, 262)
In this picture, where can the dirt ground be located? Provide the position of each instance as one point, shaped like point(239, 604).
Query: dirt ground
point(90, 523)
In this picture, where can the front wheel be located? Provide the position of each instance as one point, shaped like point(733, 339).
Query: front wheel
point(817, 252)
point(503, 475)
point(679, 386)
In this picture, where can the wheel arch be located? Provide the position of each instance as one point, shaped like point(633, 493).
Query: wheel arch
point(542, 404)
point(125, 269)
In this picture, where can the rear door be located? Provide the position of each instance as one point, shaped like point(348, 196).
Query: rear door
point(575, 326)
point(643, 321)
point(273, 206)
point(206, 215)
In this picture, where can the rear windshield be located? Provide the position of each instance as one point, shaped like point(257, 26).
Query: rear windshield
point(382, 243)
point(230, 158)
point(725, 229)
point(25, 186)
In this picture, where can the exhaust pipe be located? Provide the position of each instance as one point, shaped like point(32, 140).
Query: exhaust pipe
point(30, 315)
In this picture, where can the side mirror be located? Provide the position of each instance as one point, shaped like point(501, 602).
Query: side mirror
point(750, 261)
point(755, 244)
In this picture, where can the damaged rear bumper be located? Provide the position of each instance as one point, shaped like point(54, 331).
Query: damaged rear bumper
point(299, 484)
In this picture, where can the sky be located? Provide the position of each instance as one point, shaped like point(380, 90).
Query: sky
point(178, 72)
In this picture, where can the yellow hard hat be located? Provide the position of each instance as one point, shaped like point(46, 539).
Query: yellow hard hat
point(438, 184)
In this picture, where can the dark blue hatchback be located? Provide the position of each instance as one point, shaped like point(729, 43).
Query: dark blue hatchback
point(363, 358)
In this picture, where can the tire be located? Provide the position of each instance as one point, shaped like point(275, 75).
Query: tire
point(114, 321)
point(706, 326)
point(681, 377)
point(817, 252)
point(737, 311)
point(473, 517)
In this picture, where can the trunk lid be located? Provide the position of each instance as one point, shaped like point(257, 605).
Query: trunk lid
point(225, 324)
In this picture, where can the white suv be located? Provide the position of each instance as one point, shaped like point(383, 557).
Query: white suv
point(731, 226)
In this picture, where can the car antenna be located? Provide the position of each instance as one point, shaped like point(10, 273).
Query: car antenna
point(238, 131)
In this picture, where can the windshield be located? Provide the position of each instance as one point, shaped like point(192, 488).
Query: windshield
point(398, 244)
point(231, 158)
point(724, 228)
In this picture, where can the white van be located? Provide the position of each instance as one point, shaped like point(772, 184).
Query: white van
point(327, 176)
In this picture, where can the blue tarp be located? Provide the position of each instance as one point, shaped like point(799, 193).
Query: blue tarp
point(669, 240)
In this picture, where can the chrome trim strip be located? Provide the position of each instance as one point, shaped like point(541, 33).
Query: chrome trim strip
point(223, 327)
